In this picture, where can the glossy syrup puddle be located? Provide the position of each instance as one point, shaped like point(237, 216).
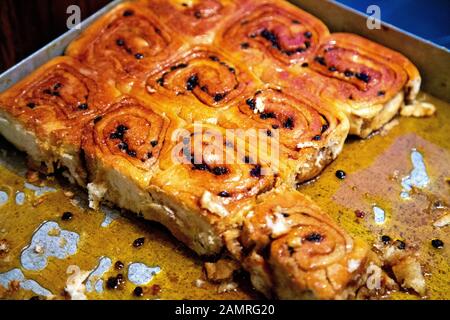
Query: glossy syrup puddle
point(42, 246)
point(398, 182)
point(379, 170)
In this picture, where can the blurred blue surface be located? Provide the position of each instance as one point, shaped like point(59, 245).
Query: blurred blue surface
point(429, 19)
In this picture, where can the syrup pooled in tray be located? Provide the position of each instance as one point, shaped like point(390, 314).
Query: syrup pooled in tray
point(396, 185)
point(49, 242)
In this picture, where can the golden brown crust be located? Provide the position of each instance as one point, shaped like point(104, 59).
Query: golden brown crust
point(200, 84)
point(365, 80)
point(128, 138)
point(287, 47)
point(57, 100)
point(272, 32)
point(194, 20)
point(299, 249)
point(54, 103)
point(192, 170)
point(309, 135)
point(128, 42)
point(364, 86)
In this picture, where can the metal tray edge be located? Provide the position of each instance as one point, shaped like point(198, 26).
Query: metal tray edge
point(53, 49)
point(433, 61)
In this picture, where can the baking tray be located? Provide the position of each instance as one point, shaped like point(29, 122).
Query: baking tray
point(106, 236)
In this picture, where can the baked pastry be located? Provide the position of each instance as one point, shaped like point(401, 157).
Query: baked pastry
point(44, 114)
point(139, 116)
point(200, 84)
point(125, 44)
point(137, 163)
point(367, 81)
point(269, 35)
point(148, 163)
point(287, 47)
point(308, 134)
point(195, 21)
point(121, 149)
point(202, 201)
point(207, 182)
point(205, 86)
point(294, 251)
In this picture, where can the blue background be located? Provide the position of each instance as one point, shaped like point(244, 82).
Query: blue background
point(429, 19)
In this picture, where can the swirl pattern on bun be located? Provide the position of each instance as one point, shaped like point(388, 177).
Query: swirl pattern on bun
point(273, 32)
point(303, 128)
point(203, 75)
point(127, 43)
point(291, 245)
point(50, 108)
point(196, 19)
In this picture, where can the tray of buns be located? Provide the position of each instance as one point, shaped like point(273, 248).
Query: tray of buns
point(224, 149)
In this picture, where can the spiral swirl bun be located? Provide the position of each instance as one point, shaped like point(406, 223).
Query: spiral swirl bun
point(127, 42)
point(316, 242)
point(369, 82)
point(197, 18)
point(204, 158)
point(297, 120)
point(130, 133)
point(303, 128)
point(312, 237)
point(300, 242)
point(282, 34)
point(49, 110)
point(205, 76)
point(58, 100)
point(364, 72)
